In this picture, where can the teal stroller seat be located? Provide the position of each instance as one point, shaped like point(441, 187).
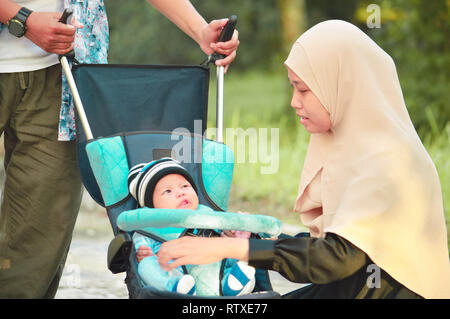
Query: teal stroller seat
point(143, 113)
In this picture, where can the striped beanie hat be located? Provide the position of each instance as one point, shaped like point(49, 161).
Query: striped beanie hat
point(143, 178)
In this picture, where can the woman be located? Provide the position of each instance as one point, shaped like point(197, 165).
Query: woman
point(369, 192)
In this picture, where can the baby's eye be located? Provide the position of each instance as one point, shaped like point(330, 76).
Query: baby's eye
point(186, 185)
point(167, 191)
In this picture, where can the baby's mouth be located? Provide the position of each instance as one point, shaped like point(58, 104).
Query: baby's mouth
point(183, 203)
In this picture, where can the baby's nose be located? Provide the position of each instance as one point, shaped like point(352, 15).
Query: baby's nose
point(181, 192)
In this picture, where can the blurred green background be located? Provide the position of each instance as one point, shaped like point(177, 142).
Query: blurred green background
point(416, 33)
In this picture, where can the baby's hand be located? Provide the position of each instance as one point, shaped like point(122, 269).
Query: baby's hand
point(236, 234)
point(142, 252)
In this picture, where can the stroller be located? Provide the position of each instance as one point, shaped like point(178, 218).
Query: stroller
point(145, 113)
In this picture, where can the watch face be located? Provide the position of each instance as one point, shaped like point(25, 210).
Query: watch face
point(16, 28)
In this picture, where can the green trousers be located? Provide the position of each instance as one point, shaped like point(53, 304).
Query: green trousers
point(42, 190)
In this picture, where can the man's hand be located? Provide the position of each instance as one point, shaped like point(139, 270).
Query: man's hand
point(52, 36)
point(208, 44)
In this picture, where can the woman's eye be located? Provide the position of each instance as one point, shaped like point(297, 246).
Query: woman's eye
point(167, 191)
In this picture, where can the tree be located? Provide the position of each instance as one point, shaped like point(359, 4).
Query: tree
point(293, 21)
point(416, 33)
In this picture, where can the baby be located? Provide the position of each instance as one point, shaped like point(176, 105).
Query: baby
point(166, 184)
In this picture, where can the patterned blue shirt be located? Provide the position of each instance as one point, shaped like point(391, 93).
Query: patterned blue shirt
point(90, 46)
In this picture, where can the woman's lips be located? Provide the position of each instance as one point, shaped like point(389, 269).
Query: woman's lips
point(303, 120)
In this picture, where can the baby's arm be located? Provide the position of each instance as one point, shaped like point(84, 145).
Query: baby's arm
point(142, 252)
point(236, 234)
point(142, 246)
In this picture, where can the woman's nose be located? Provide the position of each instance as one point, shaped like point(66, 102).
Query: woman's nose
point(295, 102)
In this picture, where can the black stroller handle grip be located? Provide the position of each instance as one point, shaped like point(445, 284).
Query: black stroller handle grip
point(226, 35)
point(227, 31)
point(65, 16)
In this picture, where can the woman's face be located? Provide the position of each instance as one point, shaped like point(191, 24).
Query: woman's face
point(313, 115)
point(173, 191)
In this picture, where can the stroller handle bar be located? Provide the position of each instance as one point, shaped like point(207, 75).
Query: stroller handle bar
point(202, 218)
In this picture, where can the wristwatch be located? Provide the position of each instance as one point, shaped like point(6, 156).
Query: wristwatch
point(17, 25)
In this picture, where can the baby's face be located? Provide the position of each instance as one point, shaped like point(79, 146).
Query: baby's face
point(173, 191)
point(313, 115)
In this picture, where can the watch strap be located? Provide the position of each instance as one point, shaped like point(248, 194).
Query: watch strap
point(23, 14)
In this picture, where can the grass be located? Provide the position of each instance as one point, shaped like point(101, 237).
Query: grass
point(258, 100)
point(253, 101)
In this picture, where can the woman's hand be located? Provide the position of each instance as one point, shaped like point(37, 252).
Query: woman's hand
point(142, 252)
point(199, 250)
point(209, 35)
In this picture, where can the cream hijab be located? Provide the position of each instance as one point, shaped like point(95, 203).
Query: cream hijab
point(378, 186)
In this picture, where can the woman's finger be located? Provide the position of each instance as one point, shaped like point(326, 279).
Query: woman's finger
point(189, 250)
point(227, 60)
point(177, 263)
point(166, 253)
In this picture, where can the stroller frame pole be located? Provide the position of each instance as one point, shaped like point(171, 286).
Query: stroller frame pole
point(219, 107)
point(225, 35)
point(76, 98)
point(73, 88)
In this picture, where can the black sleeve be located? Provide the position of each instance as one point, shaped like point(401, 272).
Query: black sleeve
point(308, 259)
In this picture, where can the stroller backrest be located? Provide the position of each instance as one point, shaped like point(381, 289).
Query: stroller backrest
point(132, 98)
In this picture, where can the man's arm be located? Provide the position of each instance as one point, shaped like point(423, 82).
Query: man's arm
point(8, 9)
point(183, 14)
point(43, 28)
